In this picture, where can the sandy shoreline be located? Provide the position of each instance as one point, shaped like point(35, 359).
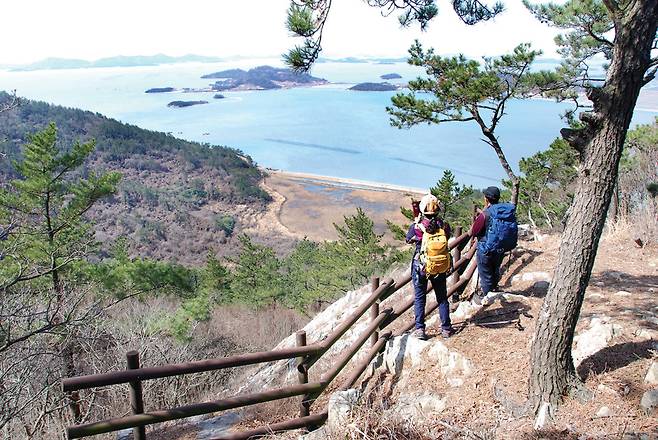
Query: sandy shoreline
point(341, 182)
point(308, 205)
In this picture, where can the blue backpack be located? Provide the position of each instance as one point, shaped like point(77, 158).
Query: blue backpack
point(502, 230)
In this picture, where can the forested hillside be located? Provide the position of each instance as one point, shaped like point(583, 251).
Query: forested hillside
point(176, 200)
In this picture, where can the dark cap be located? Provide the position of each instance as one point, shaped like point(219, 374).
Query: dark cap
point(492, 193)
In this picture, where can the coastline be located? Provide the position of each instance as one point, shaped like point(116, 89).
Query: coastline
point(343, 182)
point(308, 205)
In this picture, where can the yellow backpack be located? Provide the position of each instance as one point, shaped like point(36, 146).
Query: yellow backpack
point(434, 253)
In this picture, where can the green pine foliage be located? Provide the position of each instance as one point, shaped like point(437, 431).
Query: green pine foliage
point(547, 185)
point(456, 202)
point(549, 178)
point(455, 205)
point(45, 207)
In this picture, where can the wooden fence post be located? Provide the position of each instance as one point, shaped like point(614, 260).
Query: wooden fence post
point(136, 400)
point(302, 375)
point(374, 309)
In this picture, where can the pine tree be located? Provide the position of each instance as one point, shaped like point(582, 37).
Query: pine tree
point(463, 90)
point(46, 235)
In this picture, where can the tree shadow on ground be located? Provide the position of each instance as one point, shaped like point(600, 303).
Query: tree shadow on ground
point(615, 357)
point(520, 259)
point(639, 304)
point(506, 314)
point(624, 281)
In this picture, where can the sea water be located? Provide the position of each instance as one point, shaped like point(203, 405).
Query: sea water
point(326, 130)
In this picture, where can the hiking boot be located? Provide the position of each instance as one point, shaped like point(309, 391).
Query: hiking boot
point(447, 333)
point(477, 299)
point(419, 333)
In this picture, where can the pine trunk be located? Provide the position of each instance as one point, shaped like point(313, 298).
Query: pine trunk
point(552, 370)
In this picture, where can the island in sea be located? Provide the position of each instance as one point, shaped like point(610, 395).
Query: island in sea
point(160, 90)
point(261, 78)
point(391, 76)
point(374, 87)
point(181, 104)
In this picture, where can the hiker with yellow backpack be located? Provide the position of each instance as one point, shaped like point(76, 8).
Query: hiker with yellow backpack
point(431, 262)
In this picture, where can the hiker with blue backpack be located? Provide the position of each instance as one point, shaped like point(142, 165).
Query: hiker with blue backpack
point(496, 230)
point(431, 262)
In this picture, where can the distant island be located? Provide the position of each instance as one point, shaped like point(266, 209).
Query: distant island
point(374, 87)
point(181, 104)
point(390, 76)
point(261, 78)
point(160, 90)
point(118, 61)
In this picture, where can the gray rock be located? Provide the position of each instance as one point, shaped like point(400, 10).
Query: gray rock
point(623, 293)
point(318, 434)
point(540, 287)
point(649, 401)
point(652, 374)
point(417, 406)
point(341, 405)
point(214, 426)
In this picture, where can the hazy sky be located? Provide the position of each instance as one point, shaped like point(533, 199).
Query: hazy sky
point(88, 29)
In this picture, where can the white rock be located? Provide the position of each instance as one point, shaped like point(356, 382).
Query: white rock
point(404, 354)
point(465, 310)
point(623, 293)
point(604, 411)
point(340, 407)
point(645, 333)
point(649, 401)
point(652, 374)
point(595, 296)
point(600, 333)
point(417, 406)
point(318, 434)
point(607, 390)
point(532, 276)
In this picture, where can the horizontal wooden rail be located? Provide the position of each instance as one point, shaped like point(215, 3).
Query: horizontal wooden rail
point(117, 377)
point(196, 409)
point(382, 291)
point(301, 422)
point(363, 364)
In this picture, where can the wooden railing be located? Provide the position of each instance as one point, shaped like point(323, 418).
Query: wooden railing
point(305, 355)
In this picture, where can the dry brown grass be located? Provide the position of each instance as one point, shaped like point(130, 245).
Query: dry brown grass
point(256, 329)
point(642, 224)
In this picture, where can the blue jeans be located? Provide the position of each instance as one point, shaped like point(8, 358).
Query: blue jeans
point(419, 281)
point(489, 270)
